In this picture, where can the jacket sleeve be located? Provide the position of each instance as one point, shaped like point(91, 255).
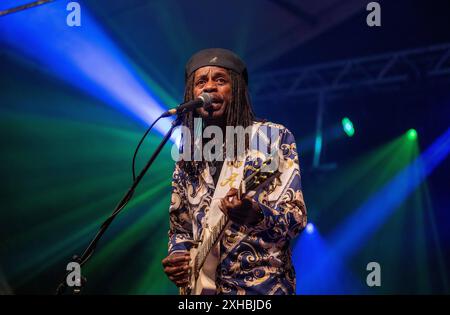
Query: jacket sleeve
point(282, 203)
point(180, 226)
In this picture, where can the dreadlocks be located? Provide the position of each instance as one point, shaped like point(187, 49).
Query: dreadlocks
point(238, 113)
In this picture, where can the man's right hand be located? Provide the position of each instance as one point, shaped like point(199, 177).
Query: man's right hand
point(176, 267)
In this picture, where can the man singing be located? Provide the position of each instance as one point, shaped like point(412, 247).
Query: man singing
point(252, 255)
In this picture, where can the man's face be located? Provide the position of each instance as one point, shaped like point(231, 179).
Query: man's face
point(217, 82)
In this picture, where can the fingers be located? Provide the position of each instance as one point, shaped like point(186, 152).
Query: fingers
point(239, 211)
point(231, 200)
point(180, 277)
point(235, 202)
point(223, 207)
point(226, 205)
point(182, 283)
point(183, 272)
point(244, 214)
point(176, 266)
point(176, 271)
point(180, 280)
point(247, 203)
point(231, 192)
point(176, 259)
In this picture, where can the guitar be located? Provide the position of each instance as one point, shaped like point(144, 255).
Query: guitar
point(199, 280)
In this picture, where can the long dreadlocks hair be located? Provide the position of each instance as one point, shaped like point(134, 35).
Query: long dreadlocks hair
point(238, 113)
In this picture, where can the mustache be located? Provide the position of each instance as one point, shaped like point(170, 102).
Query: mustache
point(216, 98)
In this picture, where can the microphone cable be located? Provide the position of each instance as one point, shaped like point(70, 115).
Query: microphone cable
point(133, 166)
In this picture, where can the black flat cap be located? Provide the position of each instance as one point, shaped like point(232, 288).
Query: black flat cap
point(218, 57)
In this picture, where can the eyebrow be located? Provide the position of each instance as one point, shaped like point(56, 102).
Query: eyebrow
point(215, 74)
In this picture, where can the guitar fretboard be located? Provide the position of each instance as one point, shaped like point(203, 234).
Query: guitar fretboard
point(206, 247)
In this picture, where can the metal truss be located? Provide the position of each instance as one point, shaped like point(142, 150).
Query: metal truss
point(324, 80)
point(385, 69)
point(24, 7)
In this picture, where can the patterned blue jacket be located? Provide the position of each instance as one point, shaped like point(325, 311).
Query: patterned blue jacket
point(253, 259)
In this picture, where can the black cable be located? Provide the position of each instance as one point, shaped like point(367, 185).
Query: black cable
point(122, 203)
point(90, 249)
point(139, 145)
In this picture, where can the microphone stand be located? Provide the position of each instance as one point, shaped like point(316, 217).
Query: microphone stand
point(122, 203)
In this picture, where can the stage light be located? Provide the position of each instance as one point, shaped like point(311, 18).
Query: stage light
point(310, 228)
point(85, 57)
point(411, 134)
point(347, 125)
point(366, 220)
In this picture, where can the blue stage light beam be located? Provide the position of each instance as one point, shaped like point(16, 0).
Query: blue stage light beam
point(83, 56)
point(353, 233)
point(321, 265)
point(317, 271)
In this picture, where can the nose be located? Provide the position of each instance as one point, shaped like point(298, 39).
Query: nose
point(210, 87)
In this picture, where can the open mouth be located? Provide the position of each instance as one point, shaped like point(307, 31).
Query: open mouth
point(216, 103)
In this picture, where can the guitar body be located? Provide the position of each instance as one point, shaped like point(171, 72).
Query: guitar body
point(204, 281)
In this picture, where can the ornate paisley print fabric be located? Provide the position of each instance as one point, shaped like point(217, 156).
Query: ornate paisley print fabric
point(253, 259)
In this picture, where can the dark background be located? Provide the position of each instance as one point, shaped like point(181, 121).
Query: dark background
point(67, 148)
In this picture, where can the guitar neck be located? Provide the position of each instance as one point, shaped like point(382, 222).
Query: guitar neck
point(206, 246)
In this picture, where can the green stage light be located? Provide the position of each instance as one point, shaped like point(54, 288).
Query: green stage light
point(347, 125)
point(411, 134)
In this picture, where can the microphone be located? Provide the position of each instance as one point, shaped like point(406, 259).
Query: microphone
point(204, 100)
